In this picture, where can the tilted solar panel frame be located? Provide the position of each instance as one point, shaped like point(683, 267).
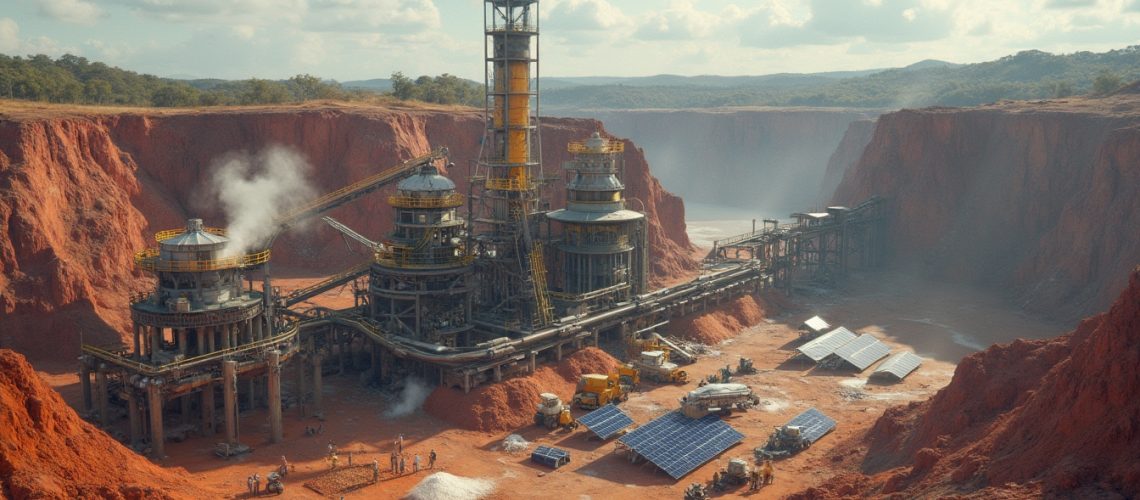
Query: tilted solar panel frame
point(826, 344)
point(606, 421)
point(899, 365)
point(864, 351)
point(678, 444)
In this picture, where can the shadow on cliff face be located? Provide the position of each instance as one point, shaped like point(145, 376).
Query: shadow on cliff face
point(767, 162)
point(1054, 418)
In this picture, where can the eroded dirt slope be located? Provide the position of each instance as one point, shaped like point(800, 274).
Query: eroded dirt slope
point(47, 451)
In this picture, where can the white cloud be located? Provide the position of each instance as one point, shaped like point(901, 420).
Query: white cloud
point(70, 11)
point(682, 20)
point(9, 36)
point(584, 15)
point(389, 16)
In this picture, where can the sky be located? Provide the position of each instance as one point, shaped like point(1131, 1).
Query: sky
point(363, 39)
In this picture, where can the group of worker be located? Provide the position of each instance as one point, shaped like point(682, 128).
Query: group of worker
point(398, 460)
point(764, 475)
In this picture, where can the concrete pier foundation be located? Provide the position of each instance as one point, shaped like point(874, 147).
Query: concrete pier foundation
point(276, 434)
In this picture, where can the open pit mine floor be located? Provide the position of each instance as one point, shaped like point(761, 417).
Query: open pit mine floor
point(938, 321)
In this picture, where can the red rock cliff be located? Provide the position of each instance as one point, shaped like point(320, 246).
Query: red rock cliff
point(83, 192)
point(1058, 418)
point(1040, 199)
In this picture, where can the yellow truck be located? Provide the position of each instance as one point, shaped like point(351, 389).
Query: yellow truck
point(595, 390)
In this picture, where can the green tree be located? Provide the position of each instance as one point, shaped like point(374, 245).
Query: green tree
point(403, 88)
point(258, 91)
point(97, 91)
point(1106, 83)
point(170, 96)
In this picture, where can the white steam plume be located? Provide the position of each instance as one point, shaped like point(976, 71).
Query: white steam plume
point(255, 189)
point(415, 392)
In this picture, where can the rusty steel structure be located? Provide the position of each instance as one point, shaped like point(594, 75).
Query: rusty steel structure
point(456, 300)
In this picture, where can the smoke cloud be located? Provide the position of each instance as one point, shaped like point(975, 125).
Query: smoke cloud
point(255, 189)
point(411, 398)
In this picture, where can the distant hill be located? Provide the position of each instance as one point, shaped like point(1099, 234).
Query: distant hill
point(1026, 75)
point(1030, 74)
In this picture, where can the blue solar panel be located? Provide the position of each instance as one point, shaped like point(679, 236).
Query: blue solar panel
point(813, 424)
point(679, 444)
point(606, 421)
point(550, 456)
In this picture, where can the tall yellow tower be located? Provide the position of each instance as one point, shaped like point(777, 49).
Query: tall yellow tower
point(513, 285)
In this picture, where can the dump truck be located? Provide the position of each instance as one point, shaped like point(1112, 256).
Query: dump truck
point(655, 366)
point(595, 390)
point(551, 413)
point(718, 398)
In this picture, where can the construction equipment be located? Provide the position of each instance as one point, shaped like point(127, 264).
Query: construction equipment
point(655, 366)
point(595, 390)
point(736, 474)
point(553, 414)
point(655, 342)
point(795, 436)
point(696, 491)
point(273, 484)
point(629, 375)
point(745, 367)
point(786, 440)
point(718, 398)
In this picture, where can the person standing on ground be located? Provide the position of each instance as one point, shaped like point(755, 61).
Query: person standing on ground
point(767, 472)
point(431, 459)
point(249, 484)
point(403, 465)
point(416, 463)
point(375, 470)
point(256, 484)
point(350, 459)
point(395, 461)
point(400, 444)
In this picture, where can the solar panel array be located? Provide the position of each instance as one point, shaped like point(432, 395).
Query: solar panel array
point(826, 344)
point(900, 365)
point(813, 424)
point(606, 421)
point(862, 352)
point(678, 444)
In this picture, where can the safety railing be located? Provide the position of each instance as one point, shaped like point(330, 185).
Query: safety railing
point(448, 201)
point(288, 334)
point(403, 257)
point(149, 260)
point(164, 235)
point(196, 319)
point(609, 146)
point(512, 27)
point(507, 184)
